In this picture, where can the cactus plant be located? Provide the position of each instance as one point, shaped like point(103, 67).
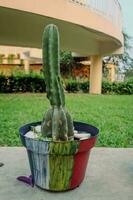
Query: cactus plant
point(57, 122)
point(56, 163)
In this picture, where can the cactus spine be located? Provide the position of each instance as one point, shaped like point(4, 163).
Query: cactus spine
point(57, 122)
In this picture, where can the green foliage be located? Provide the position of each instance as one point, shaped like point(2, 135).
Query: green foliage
point(129, 73)
point(76, 86)
point(126, 58)
point(117, 87)
point(22, 83)
point(107, 87)
point(57, 122)
point(84, 86)
point(3, 83)
point(35, 83)
point(72, 85)
point(66, 58)
point(67, 62)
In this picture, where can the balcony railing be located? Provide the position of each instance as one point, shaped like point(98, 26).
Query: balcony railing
point(107, 8)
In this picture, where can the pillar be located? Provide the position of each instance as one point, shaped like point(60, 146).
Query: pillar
point(96, 75)
point(26, 66)
point(111, 76)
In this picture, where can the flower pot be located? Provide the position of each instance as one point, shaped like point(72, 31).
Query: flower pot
point(59, 166)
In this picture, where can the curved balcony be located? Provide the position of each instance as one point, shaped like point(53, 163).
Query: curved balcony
point(89, 27)
point(111, 9)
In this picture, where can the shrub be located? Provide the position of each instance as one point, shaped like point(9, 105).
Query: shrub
point(84, 86)
point(125, 88)
point(72, 85)
point(22, 83)
point(3, 83)
point(35, 83)
point(106, 87)
point(117, 87)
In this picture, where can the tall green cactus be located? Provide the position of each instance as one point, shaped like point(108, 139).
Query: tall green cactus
point(57, 122)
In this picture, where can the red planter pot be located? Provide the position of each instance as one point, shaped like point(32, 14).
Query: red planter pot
point(80, 161)
point(59, 166)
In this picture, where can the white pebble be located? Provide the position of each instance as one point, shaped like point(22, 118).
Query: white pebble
point(31, 134)
point(75, 132)
point(38, 129)
point(82, 136)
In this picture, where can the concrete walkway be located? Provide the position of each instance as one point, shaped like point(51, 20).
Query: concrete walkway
point(109, 177)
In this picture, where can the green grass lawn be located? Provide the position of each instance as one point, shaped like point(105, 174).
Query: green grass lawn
point(113, 115)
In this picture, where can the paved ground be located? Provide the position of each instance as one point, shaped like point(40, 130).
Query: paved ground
point(109, 177)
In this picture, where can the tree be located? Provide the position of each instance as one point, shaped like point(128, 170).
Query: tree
point(129, 73)
point(124, 61)
point(66, 61)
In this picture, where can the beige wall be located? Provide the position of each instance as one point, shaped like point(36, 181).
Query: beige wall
point(9, 69)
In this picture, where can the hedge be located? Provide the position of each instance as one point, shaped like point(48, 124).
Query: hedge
point(22, 83)
point(117, 87)
point(35, 83)
point(76, 86)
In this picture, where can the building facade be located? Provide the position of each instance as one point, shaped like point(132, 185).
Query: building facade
point(90, 28)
